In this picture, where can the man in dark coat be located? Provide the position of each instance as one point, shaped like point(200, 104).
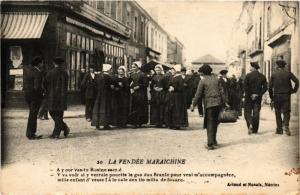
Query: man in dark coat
point(211, 89)
point(43, 112)
point(196, 80)
point(235, 94)
point(33, 79)
point(225, 83)
point(280, 90)
point(241, 86)
point(255, 86)
point(56, 92)
point(88, 83)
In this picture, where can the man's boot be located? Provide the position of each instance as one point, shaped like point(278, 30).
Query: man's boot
point(287, 131)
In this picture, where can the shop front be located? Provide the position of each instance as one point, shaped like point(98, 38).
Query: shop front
point(23, 36)
point(49, 31)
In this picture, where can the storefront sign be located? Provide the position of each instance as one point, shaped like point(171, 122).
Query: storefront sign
point(16, 56)
point(77, 23)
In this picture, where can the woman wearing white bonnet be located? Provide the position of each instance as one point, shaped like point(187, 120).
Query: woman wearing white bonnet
point(177, 112)
point(102, 112)
point(138, 87)
point(120, 98)
point(106, 67)
point(158, 92)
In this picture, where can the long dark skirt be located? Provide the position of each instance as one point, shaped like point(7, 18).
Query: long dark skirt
point(138, 114)
point(102, 111)
point(176, 111)
point(157, 112)
point(120, 104)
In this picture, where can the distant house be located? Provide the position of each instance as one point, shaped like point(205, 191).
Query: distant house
point(216, 64)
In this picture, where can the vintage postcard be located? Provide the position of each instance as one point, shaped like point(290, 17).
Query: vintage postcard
point(150, 97)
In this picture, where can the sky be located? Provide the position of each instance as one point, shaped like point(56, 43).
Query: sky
point(204, 27)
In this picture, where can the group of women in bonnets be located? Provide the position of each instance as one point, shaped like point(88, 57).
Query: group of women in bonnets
point(135, 99)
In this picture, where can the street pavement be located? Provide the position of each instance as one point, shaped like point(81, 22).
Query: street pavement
point(263, 157)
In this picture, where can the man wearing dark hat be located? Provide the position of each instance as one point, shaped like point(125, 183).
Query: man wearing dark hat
point(280, 90)
point(56, 91)
point(89, 85)
point(33, 78)
point(224, 82)
point(255, 85)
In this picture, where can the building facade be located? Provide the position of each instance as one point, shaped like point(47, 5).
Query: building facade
point(83, 32)
point(269, 29)
point(73, 30)
point(175, 51)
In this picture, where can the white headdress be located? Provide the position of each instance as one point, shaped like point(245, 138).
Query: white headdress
point(177, 67)
point(106, 67)
point(138, 64)
point(160, 66)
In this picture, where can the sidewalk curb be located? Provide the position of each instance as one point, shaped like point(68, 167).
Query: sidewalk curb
point(25, 117)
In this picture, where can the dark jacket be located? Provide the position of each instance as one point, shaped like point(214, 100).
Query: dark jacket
point(212, 90)
point(226, 87)
point(255, 83)
point(280, 83)
point(89, 85)
point(56, 89)
point(32, 85)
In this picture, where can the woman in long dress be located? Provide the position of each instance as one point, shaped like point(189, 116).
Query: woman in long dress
point(102, 111)
point(177, 111)
point(158, 87)
point(138, 114)
point(120, 102)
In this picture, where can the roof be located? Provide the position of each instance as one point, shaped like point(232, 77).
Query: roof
point(208, 59)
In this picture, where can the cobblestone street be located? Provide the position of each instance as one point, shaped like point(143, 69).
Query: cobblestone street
point(243, 155)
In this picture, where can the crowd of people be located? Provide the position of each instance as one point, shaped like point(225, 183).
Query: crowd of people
point(133, 98)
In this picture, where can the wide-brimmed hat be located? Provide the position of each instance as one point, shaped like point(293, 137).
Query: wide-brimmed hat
point(281, 63)
point(58, 60)
point(205, 69)
point(223, 72)
point(254, 65)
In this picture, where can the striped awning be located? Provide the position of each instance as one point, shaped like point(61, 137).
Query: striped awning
point(21, 25)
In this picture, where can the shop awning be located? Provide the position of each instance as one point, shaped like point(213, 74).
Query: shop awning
point(20, 25)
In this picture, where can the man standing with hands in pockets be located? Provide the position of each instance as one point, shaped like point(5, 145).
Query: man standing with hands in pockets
point(280, 90)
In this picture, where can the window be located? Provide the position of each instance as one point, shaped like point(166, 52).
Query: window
point(77, 73)
point(91, 45)
point(100, 6)
point(128, 15)
point(119, 10)
point(107, 8)
point(83, 43)
point(87, 42)
point(72, 71)
point(82, 61)
point(74, 40)
point(68, 39)
point(113, 9)
point(78, 40)
point(87, 60)
point(142, 30)
point(135, 28)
